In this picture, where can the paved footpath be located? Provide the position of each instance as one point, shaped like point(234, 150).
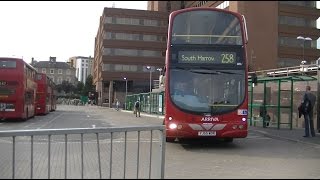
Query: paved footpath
point(295, 135)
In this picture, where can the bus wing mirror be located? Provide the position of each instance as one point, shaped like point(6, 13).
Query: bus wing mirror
point(245, 29)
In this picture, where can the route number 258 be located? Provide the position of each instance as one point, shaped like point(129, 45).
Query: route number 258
point(227, 58)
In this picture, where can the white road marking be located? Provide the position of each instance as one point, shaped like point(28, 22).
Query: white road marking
point(50, 121)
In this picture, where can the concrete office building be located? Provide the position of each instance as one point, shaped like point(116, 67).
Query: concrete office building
point(273, 28)
point(83, 66)
point(126, 43)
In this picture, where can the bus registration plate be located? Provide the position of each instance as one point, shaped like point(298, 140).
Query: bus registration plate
point(206, 133)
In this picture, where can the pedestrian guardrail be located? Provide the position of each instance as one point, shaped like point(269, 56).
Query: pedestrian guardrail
point(115, 152)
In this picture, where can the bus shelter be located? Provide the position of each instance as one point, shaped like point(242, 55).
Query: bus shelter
point(274, 101)
point(152, 103)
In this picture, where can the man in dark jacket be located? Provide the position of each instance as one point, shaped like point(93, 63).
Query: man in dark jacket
point(137, 108)
point(308, 103)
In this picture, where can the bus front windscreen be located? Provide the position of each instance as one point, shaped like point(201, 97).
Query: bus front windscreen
point(207, 91)
point(206, 27)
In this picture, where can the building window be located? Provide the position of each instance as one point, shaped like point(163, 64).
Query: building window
point(294, 42)
point(288, 62)
point(125, 52)
point(68, 79)
point(148, 53)
point(51, 71)
point(297, 21)
point(311, 4)
point(134, 37)
point(149, 22)
point(150, 37)
point(168, 6)
point(106, 51)
point(68, 72)
point(125, 68)
point(223, 5)
point(106, 67)
point(59, 71)
point(59, 80)
point(182, 5)
point(131, 52)
point(107, 35)
point(44, 70)
point(127, 21)
point(108, 20)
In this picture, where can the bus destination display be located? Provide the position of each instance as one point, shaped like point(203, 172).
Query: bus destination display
point(210, 57)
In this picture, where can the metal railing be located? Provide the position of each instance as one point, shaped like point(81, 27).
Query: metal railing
point(286, 71)
point(121, 145)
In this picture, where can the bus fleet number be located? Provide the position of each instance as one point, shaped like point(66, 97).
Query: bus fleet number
point(227, 58)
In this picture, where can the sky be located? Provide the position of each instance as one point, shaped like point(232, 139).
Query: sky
point(60, 29)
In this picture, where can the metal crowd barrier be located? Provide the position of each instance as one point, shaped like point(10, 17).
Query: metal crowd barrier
point(133, 152)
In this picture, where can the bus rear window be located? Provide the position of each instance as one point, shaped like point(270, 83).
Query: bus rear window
point(7, 64)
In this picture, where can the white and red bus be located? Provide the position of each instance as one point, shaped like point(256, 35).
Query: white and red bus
point(17, 89)
point(206, 56)
point(43, 97)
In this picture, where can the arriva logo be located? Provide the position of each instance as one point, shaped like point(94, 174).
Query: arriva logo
point(209, 119)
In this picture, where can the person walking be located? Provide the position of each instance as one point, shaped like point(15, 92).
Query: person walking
point(306, 109)
point(137, 108)
point(117, 105)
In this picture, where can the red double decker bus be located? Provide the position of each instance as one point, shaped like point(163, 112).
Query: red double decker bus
point(43, 97)
point(206, 75)
point(17, 89)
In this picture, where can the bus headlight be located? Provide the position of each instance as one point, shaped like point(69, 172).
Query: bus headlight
point(244, 119)
point(234, 126)
point(240, 126)
point(170, 118)
point(172, 126)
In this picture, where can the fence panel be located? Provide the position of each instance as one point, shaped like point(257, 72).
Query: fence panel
point(83, 153)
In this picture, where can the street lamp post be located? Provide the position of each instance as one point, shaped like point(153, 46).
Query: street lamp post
point(318, 95)
point(160, 70)
point(125, 101)
point(149, 68)
point(304, 40)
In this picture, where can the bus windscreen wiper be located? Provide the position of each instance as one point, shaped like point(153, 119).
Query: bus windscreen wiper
point(202, 72)
point(226, 72)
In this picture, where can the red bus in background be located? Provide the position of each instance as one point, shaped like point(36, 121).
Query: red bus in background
point(206, 56)
point(17, 89)
point(43, 97)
